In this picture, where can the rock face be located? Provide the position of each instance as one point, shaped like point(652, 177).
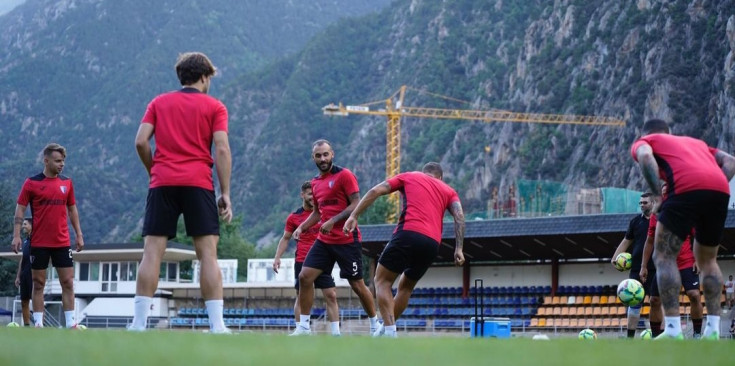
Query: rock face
point(673, 60)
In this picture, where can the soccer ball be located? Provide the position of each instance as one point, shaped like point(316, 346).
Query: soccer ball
point(630, 292)
point(587, 333)
point(623, 262)
point(646, 334)
point(13, 325)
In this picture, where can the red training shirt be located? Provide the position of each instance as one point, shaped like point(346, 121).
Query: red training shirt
point(685, 259)
point(306, 240)
point(331, 196)
point(49, 199)
point(687, 164)
point(425, 199)
point(184, 123)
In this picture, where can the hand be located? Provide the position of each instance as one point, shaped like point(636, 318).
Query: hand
point(695, 269)
point(643, 274)
point(656, 202)
point(276, 264)
point(17, 281)
point(15, 245)
point(326, 227)
point(350, 225)
point(458, 258)
point(80, 243)
point(225, 208)
point(296, 233)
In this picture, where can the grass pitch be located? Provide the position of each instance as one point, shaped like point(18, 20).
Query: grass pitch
point(26, 346)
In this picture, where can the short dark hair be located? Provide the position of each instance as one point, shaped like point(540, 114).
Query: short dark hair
point(655, 126)
point(306, 185)
point(433, 169)
point(321, 142)
point(50, 148)
point(29, 219)
point(191, 66)
point(646, 195)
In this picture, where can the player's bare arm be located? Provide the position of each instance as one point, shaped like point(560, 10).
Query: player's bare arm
point(310, 221)
point(17, 223)
point(354, 200)
point(223, 162)
point(726, 162)
point(649, 168)
point(456, 210)
point(366, 201)
point(647, 252)
point(282, 245)
point(143, 145)
point(74, 216)
point(622, 247)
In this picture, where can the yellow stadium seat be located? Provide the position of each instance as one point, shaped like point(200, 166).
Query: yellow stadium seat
point(555, 300)
point(587, 300)
point(603, 299)
point(542, 322)
point(646, 310)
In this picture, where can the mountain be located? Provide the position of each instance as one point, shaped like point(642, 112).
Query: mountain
point(80, 72)
point(631, 60)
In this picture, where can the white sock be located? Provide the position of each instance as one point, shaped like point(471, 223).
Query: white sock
point(713, 325)
point(304, 321)
point(38, 319)
point(142, 310)
point(215, 308)
point(69, 316)
point(335, 327)
point(672, 325)
point(373, 321)
point(390, 328)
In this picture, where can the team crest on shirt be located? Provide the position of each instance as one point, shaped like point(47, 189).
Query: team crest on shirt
point(331, 184)
point(63, 189)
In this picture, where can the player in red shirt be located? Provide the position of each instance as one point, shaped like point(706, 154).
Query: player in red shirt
point(335, 196)
point(185, 124)
point(416, 239)
point(325, 282)
point(51, 197)
point(697, 178)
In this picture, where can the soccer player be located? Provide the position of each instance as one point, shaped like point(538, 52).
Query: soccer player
point(51, 196)
point(416, 239)
point(697, 178)
point(636, 236)
point(730, 292)
point(325, 282)
point(687, 270)
point(185, 124)
point(335, 196)
point(23, 278)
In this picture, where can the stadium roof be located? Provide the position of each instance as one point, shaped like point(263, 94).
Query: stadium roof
point(592, 237)
point(121, 252)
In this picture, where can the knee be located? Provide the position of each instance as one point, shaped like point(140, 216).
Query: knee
point(67, 283)
point(694, 296)
point(655, 301)
point(304, 279)
point(330, 297)
point(39, 283)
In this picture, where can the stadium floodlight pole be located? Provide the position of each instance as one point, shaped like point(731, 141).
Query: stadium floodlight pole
point(479, 292)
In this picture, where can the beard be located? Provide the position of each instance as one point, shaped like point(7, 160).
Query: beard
point(324, 167)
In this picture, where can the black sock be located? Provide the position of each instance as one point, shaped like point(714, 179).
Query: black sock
point(656, 329)
point(697, 325)
point(631, 333)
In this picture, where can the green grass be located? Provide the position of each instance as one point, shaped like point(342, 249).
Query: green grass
point(24, 346)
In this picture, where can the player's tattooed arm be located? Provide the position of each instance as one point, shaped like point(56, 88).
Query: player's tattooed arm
point(649, 168)
point(726, 162)
point(456, 210)
point(354, 200)
point(18, 220)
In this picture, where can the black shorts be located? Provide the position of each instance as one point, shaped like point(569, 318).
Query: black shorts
point(26, 285)
point(60, 257)
point(704, 210)
point(410, 253)
point(324, 280)
point(165, 204)
point(649, 286)
point(689, 279)
point(348, 256)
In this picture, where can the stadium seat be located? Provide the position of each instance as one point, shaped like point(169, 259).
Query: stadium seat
point(587, 300)
point(548, 300)
point(598, 323)
point(595, 300)
point(604, 311)
point(565, 311)
point(574, 323)
point(556, 311)
point(579, 299)
point(571, 300)
point(588, 311)
point(572, 311)
point(603, 300)
point(596, 311)
point(542, 322)
point(534, 322)
point(606, 323)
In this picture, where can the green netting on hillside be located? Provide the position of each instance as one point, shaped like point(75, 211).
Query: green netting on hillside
point(541, 198)
point(619, 200)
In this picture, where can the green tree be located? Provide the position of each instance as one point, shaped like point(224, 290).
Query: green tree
point(8, 268)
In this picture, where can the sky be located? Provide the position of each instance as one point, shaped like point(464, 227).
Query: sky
point(8, 5)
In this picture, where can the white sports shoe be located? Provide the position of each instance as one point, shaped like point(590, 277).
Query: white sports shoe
point(379, 332)
point(131, 328)
point(301, 331)
point(222, 331)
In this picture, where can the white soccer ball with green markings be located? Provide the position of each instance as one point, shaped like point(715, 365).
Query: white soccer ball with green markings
point(623, 262)
point(630, 292)
point(587, 333)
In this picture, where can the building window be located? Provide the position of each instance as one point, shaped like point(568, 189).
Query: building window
point(83, 271)
point(172, 272)
point(94, 271)
point(128, 271)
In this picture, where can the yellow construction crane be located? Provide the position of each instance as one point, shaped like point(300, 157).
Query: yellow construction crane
point(394, 112)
